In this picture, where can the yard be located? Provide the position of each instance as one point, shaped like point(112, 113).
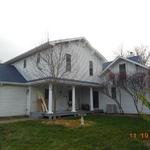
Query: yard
point(107, 132)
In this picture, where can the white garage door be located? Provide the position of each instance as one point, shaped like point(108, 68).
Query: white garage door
point(13, 101)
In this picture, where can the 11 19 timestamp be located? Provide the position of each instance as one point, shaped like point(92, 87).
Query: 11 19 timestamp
point(142, 136)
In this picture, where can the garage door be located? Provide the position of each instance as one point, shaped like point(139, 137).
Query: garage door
point(13, 101)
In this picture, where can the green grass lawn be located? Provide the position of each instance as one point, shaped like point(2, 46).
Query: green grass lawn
point(108, 132)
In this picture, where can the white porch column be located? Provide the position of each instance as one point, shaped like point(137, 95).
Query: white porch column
point(73, 100)
point(50, 100)
point(29, 100)
point(91, 99)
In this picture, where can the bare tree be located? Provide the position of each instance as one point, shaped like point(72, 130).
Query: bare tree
point(135, 85)
point(112, 82)
point(56, 64)
point(142, 51)
point(120, 52)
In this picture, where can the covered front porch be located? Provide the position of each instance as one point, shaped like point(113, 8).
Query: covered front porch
point(71, 99)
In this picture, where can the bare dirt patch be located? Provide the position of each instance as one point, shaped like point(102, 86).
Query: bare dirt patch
point(70, 123)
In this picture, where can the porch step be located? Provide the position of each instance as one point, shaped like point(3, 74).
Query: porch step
point(40, 115)
point(37, 115)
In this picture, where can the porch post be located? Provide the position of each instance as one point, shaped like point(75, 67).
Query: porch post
point(29, 100)
point(50, 99)
point(73, 99)
point(91, 99)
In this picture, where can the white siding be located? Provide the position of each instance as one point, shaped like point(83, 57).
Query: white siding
point(33, 106)
point(127, 102)
point(13, 101)
point(81, 54)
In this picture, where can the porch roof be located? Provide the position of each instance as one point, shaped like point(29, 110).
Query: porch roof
point(64, 81)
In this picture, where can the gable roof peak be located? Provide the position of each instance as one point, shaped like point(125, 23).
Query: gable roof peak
point(52, 43)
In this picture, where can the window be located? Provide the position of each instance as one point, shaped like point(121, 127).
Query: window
point(122, 71)
point(24, 63)
point(113, 92)
point(90, 68)
point(38, 58)
point(122, 68)
point(68, 62)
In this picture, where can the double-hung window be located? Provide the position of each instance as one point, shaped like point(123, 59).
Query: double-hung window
point(91, 68)
point(68, 63)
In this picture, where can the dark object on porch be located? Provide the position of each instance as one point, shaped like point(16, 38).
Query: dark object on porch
point(85, 107)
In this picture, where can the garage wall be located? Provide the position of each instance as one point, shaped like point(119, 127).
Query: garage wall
point(13, 101)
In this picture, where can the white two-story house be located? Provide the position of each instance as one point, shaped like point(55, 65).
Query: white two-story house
point(27, 78)
point(22, 82)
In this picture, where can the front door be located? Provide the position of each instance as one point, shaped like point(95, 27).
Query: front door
point(95, 99)
point(46, 94)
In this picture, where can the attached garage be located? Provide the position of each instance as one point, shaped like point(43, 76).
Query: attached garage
point(13, 100)
point(13, 92)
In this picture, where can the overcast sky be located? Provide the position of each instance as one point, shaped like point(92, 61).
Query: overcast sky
point(107, 24)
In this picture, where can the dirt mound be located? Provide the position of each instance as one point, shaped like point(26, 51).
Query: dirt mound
point(70, 123)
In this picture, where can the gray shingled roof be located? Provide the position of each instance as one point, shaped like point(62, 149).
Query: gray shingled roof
point(137, 59)
point(8, 73)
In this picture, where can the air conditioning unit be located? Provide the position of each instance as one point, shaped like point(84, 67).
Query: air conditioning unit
point(111, 108)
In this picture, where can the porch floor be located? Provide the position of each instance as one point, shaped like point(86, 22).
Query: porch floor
point(39, 115)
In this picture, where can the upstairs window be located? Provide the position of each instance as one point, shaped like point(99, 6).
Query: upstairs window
point(122, 71)
point(24, 63)
point(91, 68)
point(122, 68)
point(113, 92)
point(68, 62)
point(38, 58)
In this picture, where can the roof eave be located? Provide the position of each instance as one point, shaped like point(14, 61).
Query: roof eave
point(12, 83)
